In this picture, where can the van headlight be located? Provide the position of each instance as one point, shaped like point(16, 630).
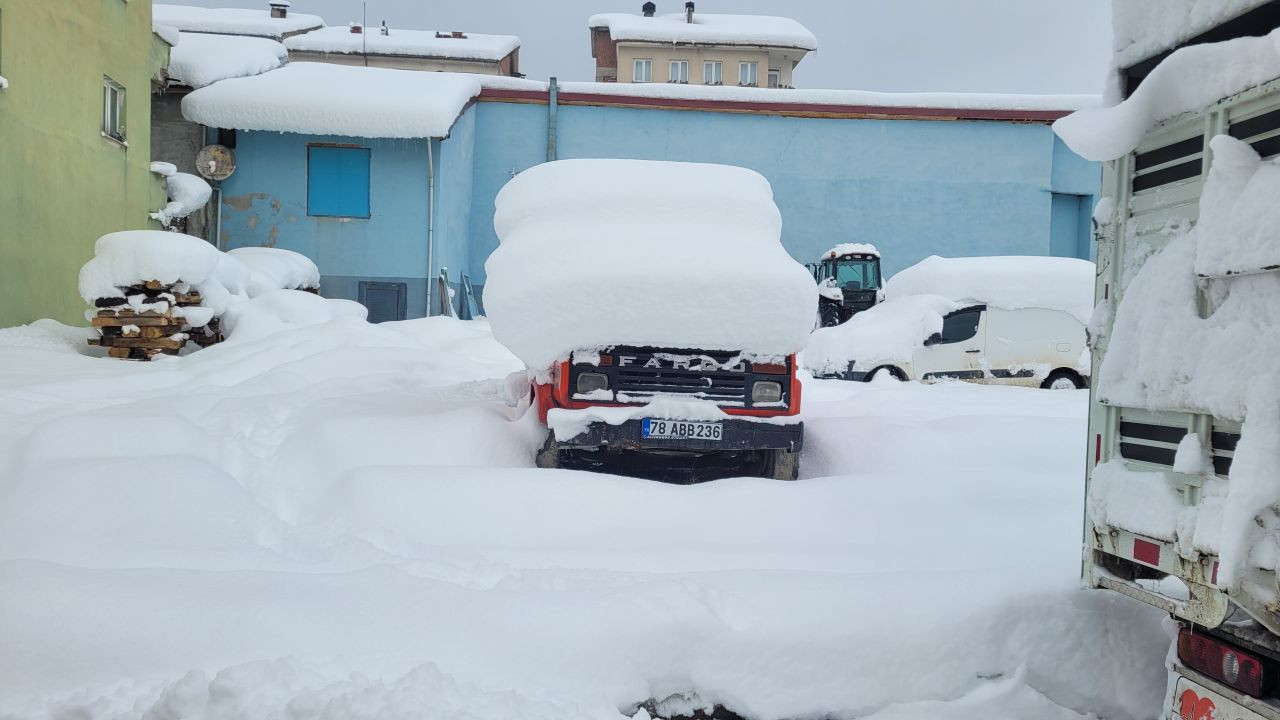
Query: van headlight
point(591, 382)
point(766, 391)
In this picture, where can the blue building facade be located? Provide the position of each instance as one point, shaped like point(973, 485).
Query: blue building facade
point(913, 186)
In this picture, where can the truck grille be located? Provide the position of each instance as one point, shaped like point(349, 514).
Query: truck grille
point(636, 375)
point(720, 387)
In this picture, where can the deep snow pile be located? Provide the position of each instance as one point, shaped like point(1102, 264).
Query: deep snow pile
point(232, 21)
point(706, 28)
point(324, 99)
point(338, 519)
point(888, 333)
point(1190, 79)
point(125, 258)
point(425, 43)
point(1013, 283)
point(1142, 28)
point(1164, 355)
point(851, 249)
point(187, 193)
point(276, 269)
point(697, 265)
point(201, 59)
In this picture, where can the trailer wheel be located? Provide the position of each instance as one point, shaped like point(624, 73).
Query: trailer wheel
point(549, 456)
point(784, 465)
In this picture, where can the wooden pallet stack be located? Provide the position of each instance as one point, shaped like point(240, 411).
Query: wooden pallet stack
point(142, 324)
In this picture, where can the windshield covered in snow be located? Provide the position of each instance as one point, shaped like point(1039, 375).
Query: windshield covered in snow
point(854, 274)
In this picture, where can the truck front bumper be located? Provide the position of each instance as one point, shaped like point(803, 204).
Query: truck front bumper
point(737, 435)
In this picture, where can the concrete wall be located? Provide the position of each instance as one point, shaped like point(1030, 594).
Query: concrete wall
point(176, 140)
point(402, 62)
point(730, 56)
point(62, 183)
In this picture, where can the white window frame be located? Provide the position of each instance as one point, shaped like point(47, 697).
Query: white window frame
point(749, 74)
point(775, 77)
point(113, 110)
point(678, 72)
point(713, 72)
point(642, 70)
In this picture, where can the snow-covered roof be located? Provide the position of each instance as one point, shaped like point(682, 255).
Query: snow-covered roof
point(325, 99)
point(851, 249)
point(697, 265)
point(199, 59)
point(232, 21)
point(707, 29)
point(1143, 28)
point(166, 33)
point(1010, 282)
point(414, 43)
point(1190, 79)
point(853, 98)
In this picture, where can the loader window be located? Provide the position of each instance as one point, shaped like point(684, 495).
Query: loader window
point(858, 274)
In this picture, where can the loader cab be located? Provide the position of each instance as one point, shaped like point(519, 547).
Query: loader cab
point(848, 284)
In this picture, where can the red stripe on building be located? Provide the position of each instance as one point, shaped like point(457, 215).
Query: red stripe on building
point(1146, 552)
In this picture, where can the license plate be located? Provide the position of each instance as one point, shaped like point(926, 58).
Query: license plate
point(654, 429)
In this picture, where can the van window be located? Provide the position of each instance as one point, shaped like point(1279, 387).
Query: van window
point(961, 325)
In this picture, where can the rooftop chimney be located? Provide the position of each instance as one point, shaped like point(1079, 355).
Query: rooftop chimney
point(649, 9)
point(279, 8)
point(356, 28)
point(385, 30)
point(688, 12)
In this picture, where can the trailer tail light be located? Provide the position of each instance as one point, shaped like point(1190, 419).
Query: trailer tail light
point(769, 368)
point(1222, 662)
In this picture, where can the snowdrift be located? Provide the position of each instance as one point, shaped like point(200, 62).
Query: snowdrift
point(887, 333)
point(596, 253)
point(276, 269)
point(1010, 282)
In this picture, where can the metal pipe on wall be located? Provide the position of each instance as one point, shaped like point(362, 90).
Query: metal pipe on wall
point(431, 218)
point(553, 105)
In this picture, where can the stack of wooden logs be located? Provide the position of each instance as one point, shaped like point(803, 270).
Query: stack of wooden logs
point(143, 323)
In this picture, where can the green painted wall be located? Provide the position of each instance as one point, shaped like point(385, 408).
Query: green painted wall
point(62, 184)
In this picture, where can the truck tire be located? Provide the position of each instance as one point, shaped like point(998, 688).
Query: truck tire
point(784, 465)
point(828, 315)
point(549, 456)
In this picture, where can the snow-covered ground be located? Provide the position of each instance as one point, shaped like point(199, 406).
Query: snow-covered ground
point(340, 520)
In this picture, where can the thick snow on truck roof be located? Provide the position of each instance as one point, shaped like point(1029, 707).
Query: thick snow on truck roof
point(598, 253)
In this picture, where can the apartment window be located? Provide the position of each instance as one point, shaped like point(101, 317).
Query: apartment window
point(337, 181)
point(775, 77)
point(113, 109)
point(644, 71)
point(713, 72)
point(747, 73)
point(679, 71)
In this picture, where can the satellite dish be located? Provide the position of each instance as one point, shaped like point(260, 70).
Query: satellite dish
point(215, 162)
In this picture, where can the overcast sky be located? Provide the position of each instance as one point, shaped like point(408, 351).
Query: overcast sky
point(1015, 46)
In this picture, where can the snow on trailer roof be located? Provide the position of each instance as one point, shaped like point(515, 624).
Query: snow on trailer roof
point(199, 59)
point(232, 21)
point(325, 99)
point(1144, 29)
point(851, 249)
point(414, 43)
point(698, 265)
point(707, 29)
point(1010, 282)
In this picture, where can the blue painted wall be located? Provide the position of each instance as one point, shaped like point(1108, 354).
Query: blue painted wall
point(914, 188)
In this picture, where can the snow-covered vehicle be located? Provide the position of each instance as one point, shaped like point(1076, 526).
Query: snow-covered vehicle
point(848, 282)
point(1184, 447)
point(659, 333)
point(992, 320)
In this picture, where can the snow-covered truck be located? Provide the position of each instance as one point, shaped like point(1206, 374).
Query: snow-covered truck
point(658, 313)
point(1183, 481)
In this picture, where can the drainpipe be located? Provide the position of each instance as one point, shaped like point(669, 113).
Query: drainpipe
point(552, 106)
point(431, 219)
point(217, 225)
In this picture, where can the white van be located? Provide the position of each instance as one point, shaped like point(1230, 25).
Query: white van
point(1029, 346)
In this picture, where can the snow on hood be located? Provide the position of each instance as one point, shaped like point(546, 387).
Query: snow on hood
point(324, 99)
point(1142, 28)
point(697, 265)
point(200, 59)
point(1190, 79)
point(418, 43)
point(707, 29)
point(851, 249)
point(232, 21)
point(1009, 282)
point(887, 333)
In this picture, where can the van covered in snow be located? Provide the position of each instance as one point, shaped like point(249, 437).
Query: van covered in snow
point(1184, 450)
point(993, 320)
point(658, 313)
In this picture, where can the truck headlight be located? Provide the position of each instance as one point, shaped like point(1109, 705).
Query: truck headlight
point(591, 382)
point(766, 392)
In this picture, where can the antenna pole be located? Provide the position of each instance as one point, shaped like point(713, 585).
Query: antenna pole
point(364, 28)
